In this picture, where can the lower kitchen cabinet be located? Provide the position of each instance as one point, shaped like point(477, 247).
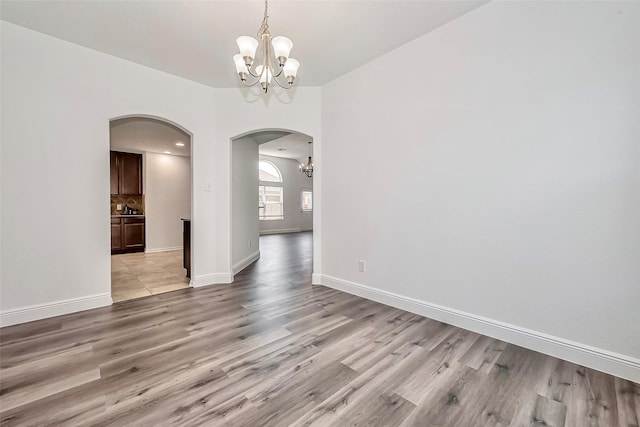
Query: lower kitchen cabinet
point(116, 234)
point(127, 234)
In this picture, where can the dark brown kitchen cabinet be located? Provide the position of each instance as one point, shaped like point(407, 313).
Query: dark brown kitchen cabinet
point(133, 232)
point(126, 174)
point(127, 234)
point(116, 234)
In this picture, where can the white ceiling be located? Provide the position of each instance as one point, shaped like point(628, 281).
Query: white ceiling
point(196, 39)
point(294, 146)
point(142, 135)
point(287, 145)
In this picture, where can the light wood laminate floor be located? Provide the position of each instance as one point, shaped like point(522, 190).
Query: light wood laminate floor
point(272, 350)
point(138, 275)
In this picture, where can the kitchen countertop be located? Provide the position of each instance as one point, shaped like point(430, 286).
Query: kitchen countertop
point(127, 216)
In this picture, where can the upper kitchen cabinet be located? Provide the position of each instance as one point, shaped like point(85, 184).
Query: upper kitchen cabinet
point(126, 174)
point(130, 174)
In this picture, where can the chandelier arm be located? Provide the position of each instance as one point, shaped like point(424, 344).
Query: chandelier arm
point(254, 75)
point(245, 84)
point(279, 72)
point(281, 85)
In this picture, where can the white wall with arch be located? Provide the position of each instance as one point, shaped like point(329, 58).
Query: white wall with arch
point(166, 177)
point(563, 224)
point(58, 98)
point(242, 118)
point(245, 224)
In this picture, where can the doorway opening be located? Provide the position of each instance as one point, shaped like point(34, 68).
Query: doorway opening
point(151, 199)
point(276, 227)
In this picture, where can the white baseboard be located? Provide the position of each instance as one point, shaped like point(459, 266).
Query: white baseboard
point(280, 231)
point(245, 262)
point(316, 279)
point(173, 248)
point(52, 309)
point(211, 279)
point(606, 361)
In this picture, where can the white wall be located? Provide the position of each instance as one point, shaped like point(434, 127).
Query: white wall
point(244, 221)
point(507, 177)
point(167, 190)
point(57, 100)
point(293, 183)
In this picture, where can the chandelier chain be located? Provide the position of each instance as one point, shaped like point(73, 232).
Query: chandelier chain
point(264, 28)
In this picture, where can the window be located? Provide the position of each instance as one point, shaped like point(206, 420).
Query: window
point(270, 197)
point(306, 201)
point(270, 203)
point(268, 172)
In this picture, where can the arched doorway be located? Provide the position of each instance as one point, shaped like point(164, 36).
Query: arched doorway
point(150, 202)
point(277, 228)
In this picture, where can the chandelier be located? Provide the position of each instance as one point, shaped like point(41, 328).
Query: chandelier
point(308, 168)
point(277, 48)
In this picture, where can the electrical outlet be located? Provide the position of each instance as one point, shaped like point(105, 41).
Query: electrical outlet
point(362, 265)
point(118, 207)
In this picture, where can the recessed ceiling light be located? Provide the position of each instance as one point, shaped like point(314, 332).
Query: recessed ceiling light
point(180, 144)
point(167, 152)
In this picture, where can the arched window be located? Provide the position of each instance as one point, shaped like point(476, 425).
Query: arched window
point(269, 172)
point(270, 197)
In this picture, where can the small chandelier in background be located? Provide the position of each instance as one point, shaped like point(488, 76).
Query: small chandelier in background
point(308, 168)
point(265, 73)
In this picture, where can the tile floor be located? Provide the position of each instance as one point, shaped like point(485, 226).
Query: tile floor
point(140, 275)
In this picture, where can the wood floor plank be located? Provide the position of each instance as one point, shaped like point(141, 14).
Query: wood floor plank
point(438, 369)
point(385, 410)
point(33, 393)
point(439, 403)
point(288, 401)
point(594, 399)
point(354, 397)
point(560, 384)
point(402, 333)
point(30, 329)
point(546, 412)
point(73, 406)
point(628, 401)
point(270, 349)
point(167, 400)
point(482, 355)
point(42, 377)
point(484, 399)
point(330, 355)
